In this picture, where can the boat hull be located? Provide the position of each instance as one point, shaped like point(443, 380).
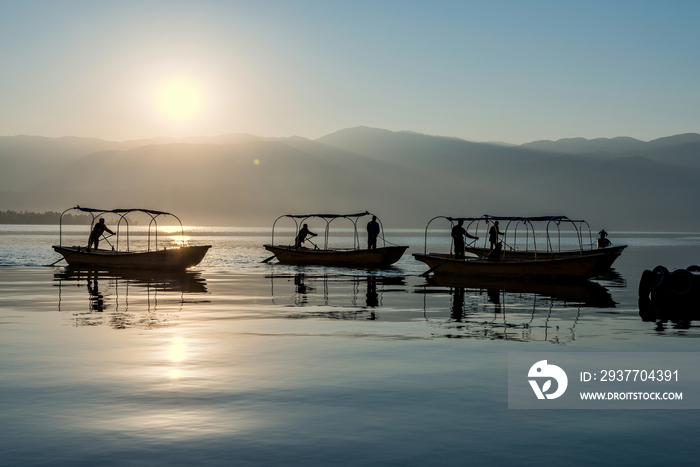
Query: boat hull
point(568, 268)
point(612, 251)
point(385, 256)
point(172, 259)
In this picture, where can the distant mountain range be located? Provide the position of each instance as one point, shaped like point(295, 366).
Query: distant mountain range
point(610, 145)
point(404, 177)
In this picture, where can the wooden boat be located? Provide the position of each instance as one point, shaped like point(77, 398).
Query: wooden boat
point(378, 257)
point(610, 254)
point(572, 267)
point(356, 256)
point(552, 249)
point(173, 259)
point(178, 258)
point(546, 263)
point(613, 252)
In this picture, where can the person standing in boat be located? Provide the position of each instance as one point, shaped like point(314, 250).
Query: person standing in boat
point(301, 237)
point(458, 234)
point(493, 235)
point(97, 231)
point(372, 233)
point(603, 240)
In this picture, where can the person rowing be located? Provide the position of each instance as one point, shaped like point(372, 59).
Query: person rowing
point(97, 231)
point(494, 232)
point(301, 237)
point(458, 234)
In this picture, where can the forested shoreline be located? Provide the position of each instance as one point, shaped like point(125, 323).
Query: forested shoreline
point(43, 218)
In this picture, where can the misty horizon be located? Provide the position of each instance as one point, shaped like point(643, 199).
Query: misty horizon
point(222, 138)
point(403, 177)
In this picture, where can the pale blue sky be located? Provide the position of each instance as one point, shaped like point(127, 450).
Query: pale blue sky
point(510, 71)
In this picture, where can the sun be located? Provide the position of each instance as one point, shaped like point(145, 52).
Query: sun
point(179, 99)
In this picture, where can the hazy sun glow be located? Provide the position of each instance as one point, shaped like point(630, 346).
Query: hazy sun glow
point(179, 99)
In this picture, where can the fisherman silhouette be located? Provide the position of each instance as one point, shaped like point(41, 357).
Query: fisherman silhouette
point(602, 240)
point(372, 233)
point(493, 235)
point(458, 234)
point(97, 231)
point(301, 237)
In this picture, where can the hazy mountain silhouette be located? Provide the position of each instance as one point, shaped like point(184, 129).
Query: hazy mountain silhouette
point(415, 149)
point(404, 177)
point(610, 145)
point(682, 155)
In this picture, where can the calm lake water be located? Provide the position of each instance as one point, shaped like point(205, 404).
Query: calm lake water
point(241, 363)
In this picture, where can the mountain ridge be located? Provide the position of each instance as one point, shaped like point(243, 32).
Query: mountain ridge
point(405, 177)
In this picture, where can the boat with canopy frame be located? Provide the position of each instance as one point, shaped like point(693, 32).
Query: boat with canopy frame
point(179, 258)
point(551, 262)
point(514, 247)
point(326, 256)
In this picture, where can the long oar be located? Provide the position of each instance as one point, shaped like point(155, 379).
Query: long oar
point(110, 243)
point(61, 259)
point(425, 274)
point(270, 258)
point(509, 246)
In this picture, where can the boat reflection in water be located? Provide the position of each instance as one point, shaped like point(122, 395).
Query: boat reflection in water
point(335, 296)
point(511, 310)
point(448, 306)
point(127, 298)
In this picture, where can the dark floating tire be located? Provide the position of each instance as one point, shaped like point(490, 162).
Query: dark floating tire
point(660, 275)
point(672, 294)
point(645, 285)
point(680, 282)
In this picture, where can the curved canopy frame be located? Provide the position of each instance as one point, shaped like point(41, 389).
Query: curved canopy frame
point(300, 219)
point(96, 213)
point(513, 224)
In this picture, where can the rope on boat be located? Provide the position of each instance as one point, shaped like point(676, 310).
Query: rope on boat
point(387, 241)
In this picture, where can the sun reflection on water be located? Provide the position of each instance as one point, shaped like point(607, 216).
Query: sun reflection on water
point(170, 229)
point(177, 350)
